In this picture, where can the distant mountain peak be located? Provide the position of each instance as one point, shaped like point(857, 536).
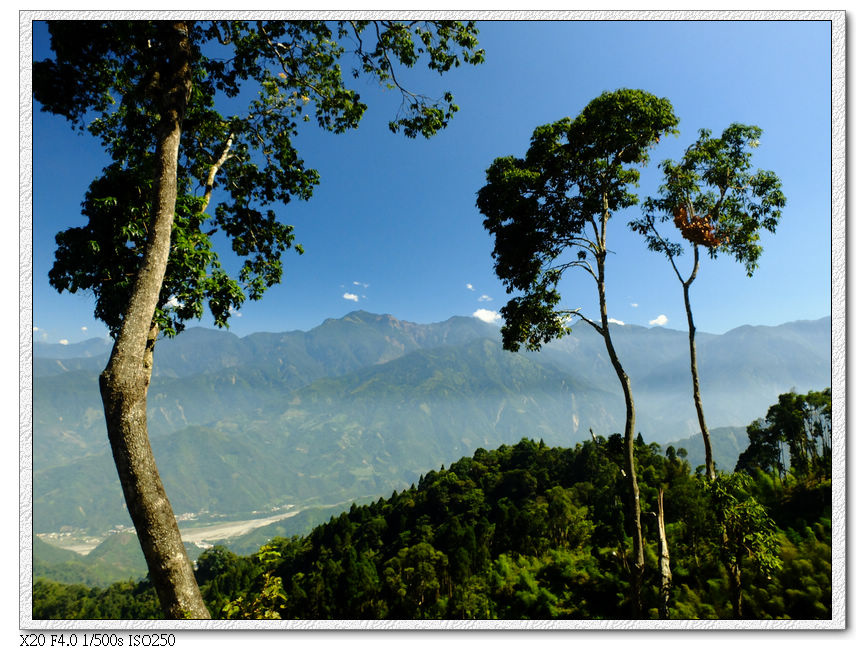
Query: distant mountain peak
point(369, 317)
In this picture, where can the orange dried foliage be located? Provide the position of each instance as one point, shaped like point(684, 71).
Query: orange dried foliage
point(698, 230)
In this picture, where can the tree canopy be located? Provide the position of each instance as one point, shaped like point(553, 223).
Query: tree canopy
point(797, 426)
point(254, 85)
point(548, 211)
point(524, 531)
point(718, 203)
point(715, 199)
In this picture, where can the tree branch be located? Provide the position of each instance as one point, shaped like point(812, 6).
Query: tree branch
point(667, 251)
point(214, 169)
point(598, 328)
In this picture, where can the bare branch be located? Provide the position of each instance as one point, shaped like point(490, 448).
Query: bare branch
point(214, 169)
point(583, 264)
point(598, 328)
point(667, 251)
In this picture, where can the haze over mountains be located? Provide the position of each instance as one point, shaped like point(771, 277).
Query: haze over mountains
point(362, 405)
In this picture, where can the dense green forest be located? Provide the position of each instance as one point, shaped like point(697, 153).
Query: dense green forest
point(532, 531)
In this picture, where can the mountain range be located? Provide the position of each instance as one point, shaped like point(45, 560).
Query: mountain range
point(362, 405)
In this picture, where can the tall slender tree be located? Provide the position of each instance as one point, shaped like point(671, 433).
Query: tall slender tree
point(161, 96)
point(717, 202)
point(549, 213)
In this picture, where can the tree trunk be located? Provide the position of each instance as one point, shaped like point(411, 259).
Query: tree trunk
point(663, 561)
point(736, 578)
point(125, 380)
point(637, 559)
point(695, 378)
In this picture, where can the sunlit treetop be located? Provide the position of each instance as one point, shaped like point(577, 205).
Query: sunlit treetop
point(715, 198)
point(548, 210)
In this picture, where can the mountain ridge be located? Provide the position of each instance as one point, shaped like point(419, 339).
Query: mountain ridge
point(362, 404)
point(95, 346)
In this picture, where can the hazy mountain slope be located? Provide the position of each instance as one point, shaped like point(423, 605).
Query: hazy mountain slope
point(742, 372)
point(333, 348)
point(202, 469)
point(69, 421)
point(727, 444)
point(206, 375)
point(433, 406)
point(362, 434)
point(361, 405)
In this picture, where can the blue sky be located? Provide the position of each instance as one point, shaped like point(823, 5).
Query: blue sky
point(393, 227)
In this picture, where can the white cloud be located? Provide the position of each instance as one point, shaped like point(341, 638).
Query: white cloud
point(63, 342)
point(350, 296)
point(360, 284)
point(35, 329)
point(173, 302)
point(485, 298)
point(487, 315)
point(633, 304)
point(616, 321)
point(232, 311)
point(470, 287)
point(83, 329)
point(660, 320)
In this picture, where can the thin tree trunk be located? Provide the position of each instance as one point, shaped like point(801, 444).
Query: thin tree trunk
point(692, 343)
point(736, 577)
point(637, 560)
point(695, 377)
point(663, 561)
point(125, 380)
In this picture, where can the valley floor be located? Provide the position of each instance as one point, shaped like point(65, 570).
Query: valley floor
point(206, 536)
point(203, 536)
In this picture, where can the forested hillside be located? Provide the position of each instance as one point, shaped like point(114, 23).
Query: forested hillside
point(117, 558)
point(533, 531)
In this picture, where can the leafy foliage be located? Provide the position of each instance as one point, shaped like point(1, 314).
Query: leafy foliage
point(548, 210)
point(717, 203)
point(744, 531)
point(153, 88)
point(715, 198)
point(523, 531)
point(104, 78)
point(549, 213)
point(798, 426)
point(122, 600)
